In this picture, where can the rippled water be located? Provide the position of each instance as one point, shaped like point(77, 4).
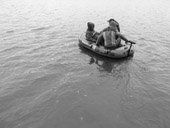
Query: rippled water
point(48, 81)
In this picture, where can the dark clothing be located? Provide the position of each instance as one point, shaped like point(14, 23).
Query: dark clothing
point(100, 40)
point(91, 35)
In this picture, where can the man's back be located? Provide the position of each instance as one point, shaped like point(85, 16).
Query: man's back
point(109, 38)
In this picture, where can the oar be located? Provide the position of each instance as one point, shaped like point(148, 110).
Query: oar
point(130, 46)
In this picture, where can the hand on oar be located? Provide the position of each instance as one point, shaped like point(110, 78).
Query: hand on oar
point(130, 42)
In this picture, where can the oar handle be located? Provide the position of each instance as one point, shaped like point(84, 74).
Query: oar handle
point(130, 42)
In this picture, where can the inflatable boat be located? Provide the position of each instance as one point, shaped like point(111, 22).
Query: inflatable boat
point(125, 50)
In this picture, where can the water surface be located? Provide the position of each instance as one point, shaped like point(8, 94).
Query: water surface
point(48, 81)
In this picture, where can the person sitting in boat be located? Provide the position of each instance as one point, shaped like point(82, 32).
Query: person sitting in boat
point(118, 39)
point(117, 27)
point(110, 36)
point(91, 34)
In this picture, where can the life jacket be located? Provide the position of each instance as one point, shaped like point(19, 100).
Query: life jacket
point(109, 39)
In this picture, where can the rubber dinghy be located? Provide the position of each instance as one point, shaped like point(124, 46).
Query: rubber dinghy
point(127, 49)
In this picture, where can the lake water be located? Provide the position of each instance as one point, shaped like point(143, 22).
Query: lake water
point(48, 81)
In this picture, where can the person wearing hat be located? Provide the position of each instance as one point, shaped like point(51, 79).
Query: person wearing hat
point(108, 28)
point(111, 36)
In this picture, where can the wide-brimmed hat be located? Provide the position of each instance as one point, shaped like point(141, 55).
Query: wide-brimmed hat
point(111, 20)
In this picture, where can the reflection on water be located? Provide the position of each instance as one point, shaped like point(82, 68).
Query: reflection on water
point(105, 64)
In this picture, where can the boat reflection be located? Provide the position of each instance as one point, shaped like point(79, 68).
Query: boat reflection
point(105, 64)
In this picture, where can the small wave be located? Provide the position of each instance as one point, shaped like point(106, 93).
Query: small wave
point(142, 39)
point(41, 47)
point(14, 48)
point(41, 28)
point(10, 31)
